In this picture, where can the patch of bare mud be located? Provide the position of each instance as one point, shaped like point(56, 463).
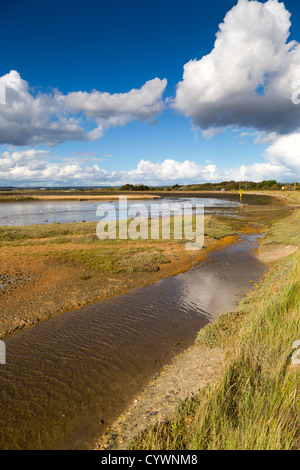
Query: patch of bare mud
point(190, 372)
point(272, 253)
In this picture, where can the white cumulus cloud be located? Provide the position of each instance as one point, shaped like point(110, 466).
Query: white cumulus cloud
point(51, 118)
point(247, 79)
point(32, 167)
point(118, 109)
point(28, 119)
point(286, 150)
point(35, 167)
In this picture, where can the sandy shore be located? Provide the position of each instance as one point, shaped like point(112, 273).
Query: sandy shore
point(91, 198)
point(191, 371)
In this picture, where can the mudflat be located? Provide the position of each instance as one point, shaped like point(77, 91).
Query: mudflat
point(50, 269)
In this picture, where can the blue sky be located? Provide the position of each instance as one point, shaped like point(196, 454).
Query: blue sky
point(60, 50)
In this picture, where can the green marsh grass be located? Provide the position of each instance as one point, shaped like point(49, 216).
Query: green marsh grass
point(85, 232)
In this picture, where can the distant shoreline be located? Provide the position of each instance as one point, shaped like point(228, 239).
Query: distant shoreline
point(88, 198)
point(249, 197)
point(55, 197)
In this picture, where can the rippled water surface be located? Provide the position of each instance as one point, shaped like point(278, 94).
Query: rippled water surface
point(65, 375)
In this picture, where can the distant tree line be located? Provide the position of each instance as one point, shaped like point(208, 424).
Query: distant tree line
point(223, 186)
point(131, 187)
point(233, 185)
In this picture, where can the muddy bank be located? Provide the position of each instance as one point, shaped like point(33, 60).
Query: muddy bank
point(196, 368)
point(272, 253)
point(258, 199)
point(39, 282)
point(84, 196)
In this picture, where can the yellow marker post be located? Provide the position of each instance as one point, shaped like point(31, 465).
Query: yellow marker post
point(241, 192)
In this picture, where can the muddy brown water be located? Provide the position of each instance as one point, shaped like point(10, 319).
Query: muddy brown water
point(67, 379)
